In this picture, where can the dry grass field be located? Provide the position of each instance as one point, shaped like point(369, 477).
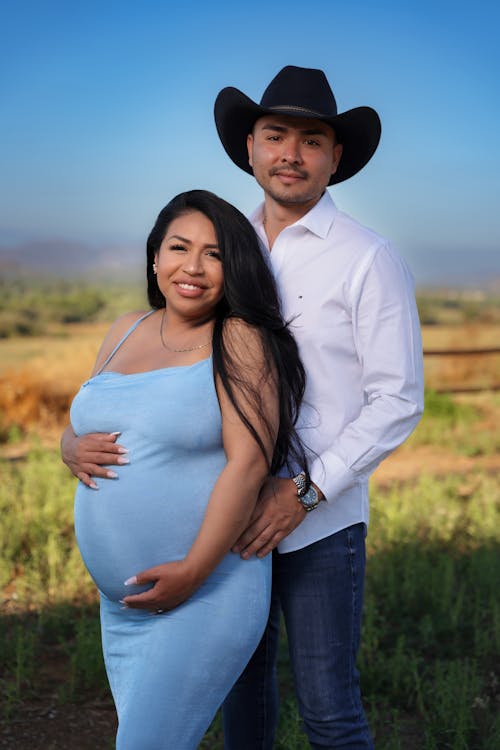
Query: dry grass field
point(462, 371)
point(40, 375)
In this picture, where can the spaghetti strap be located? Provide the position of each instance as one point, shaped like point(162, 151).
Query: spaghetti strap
point(123, 338)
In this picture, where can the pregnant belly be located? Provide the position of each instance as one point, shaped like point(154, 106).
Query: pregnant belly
point(125, 527)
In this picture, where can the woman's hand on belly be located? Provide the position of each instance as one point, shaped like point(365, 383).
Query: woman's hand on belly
point(173, 583)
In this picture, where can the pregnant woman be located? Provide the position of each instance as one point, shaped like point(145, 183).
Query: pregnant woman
point(204, 389)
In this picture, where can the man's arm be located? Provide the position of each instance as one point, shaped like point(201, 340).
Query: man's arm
point(387, 338)
point(386, 333)
point(89, 455)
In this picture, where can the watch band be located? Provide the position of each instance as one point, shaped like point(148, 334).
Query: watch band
point(300, 483)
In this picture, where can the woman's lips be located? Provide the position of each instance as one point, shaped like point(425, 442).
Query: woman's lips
point(187, 289)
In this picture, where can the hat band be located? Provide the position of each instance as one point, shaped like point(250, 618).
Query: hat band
point(295, 108)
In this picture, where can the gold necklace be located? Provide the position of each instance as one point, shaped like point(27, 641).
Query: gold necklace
point(170, 349)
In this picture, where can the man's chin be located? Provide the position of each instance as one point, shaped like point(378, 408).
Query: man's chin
point(291, 197)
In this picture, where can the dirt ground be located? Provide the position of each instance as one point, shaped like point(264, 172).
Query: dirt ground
point(406, 465)
point(43, 725)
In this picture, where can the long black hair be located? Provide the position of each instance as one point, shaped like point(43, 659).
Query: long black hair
point(250, 294)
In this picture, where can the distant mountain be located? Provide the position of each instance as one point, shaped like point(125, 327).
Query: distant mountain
point(67, 258)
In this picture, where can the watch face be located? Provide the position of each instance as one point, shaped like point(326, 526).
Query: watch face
point(310, 498)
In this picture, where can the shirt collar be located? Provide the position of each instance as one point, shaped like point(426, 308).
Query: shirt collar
point(318, 220)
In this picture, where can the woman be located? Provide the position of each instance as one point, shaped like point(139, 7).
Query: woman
point(205, 389)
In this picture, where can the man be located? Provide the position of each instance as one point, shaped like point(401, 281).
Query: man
point(351, 300)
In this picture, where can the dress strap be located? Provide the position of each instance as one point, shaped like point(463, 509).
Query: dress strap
point(123, 338)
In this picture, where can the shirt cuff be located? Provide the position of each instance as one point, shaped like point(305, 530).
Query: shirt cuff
point(332, 476)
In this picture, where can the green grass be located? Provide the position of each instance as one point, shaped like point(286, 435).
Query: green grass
point(30, 305)
point(454, 426)
point(431, 640)
point(38, 558)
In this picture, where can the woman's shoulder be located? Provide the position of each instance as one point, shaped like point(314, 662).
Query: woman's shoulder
point(244, 339)
point(121, 325)
point(238, 328)
point(116, 332)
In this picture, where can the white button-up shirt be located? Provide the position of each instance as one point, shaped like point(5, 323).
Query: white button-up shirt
point(351, 300)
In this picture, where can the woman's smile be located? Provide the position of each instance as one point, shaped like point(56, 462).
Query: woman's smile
point(188, 289)
point(189, 267)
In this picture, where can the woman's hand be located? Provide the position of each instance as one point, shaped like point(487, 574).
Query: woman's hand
point(174, 582)
point(89, 455)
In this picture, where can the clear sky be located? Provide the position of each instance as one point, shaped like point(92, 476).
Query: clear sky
point(107, 112)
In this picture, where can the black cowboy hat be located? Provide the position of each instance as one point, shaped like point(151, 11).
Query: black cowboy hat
point(298, 92)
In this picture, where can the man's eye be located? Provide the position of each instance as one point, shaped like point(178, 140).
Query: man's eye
point(311, 142)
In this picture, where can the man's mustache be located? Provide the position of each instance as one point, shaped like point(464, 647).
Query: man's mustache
point(287, 170)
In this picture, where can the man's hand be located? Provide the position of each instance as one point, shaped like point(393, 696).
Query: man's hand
point(173, 584)
point(276, 515)
point(88, 455)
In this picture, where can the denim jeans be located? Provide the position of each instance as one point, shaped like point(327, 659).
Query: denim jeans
point(320, 590)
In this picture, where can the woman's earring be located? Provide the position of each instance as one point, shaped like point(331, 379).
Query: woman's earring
point(155, 269)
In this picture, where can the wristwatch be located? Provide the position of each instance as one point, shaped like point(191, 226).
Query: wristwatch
point(308, 498)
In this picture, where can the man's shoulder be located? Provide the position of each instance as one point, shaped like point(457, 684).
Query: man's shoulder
point(351, 228)
point(339, 228)
point(356, 249)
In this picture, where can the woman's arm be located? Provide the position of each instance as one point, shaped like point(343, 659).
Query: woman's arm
point(237, 488)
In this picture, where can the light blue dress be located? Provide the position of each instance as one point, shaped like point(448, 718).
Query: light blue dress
point(168, 673)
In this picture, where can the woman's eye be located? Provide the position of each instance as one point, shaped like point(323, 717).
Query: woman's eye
point(177, 247)
point(214, 254)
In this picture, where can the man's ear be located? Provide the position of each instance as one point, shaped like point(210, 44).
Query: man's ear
point(250, 148)
point(337, 154)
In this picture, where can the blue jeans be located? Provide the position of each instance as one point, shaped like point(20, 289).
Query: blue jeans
point(320, 590)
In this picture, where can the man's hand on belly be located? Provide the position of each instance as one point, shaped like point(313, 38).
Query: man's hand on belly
point(277, 513)
point(173, 584)
point(89, 455)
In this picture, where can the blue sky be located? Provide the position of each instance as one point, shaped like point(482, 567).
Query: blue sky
point(107, 113)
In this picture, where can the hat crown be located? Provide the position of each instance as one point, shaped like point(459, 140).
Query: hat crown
point(301, 89)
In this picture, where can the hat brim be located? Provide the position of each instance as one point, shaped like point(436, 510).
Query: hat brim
point(358, 130)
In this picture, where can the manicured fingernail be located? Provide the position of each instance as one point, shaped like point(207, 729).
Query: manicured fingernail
point(130, 581)
point(93, 486)
point(112, 475)
point(122, 461)
point(122, 450)
point(115, 433)
point(125, 607)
